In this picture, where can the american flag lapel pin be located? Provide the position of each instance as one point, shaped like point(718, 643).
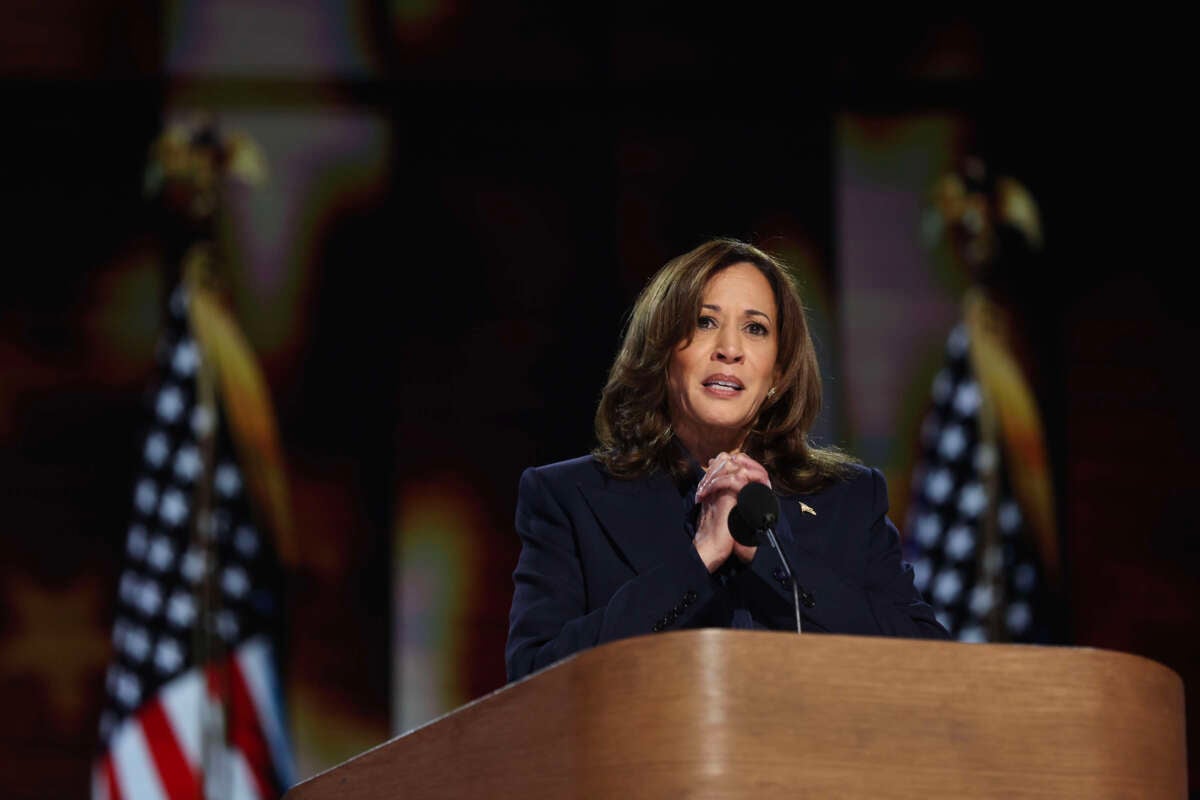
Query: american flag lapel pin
point(805, 508)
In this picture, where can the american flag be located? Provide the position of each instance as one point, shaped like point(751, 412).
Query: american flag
point(967, 535)
point(193, 704)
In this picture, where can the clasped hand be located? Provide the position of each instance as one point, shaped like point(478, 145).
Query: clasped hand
point(726, 475)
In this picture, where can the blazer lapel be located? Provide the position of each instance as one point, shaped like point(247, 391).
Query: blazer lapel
point(643, 518)
point(806, 530)
point(805, 536)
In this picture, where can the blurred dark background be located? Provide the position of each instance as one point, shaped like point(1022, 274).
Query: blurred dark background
point(462, 205)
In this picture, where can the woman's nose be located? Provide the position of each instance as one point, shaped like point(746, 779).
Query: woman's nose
point(729, 349)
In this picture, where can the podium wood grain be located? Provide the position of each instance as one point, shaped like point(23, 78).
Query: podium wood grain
point(717, 713)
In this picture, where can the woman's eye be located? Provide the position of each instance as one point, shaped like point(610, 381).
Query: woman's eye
point(757, 329)
point(706, 322)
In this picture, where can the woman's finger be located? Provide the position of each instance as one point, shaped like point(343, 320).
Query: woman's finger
point(715, 466)
point(715, 483)
point(731, 481)
point(755, 470)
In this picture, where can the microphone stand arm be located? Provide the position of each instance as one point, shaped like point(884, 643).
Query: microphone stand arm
point(787, 568)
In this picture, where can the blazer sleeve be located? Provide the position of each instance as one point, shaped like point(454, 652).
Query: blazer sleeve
point(895, 602)
point(550, 618)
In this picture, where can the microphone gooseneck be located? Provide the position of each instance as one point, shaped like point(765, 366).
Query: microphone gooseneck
point(751, 522)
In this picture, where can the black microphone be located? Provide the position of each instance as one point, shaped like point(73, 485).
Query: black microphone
point(751, 521)
point(757, 509)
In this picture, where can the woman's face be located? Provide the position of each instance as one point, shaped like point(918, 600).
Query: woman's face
point(717, 382)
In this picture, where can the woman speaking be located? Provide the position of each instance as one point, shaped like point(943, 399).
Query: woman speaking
point(715, 387)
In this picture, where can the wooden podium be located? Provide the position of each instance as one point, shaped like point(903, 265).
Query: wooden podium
point(719, 713)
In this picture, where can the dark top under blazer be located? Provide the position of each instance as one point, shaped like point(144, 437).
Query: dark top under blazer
point(604, 558)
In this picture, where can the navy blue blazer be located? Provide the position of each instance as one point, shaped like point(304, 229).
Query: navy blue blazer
point(604, 558)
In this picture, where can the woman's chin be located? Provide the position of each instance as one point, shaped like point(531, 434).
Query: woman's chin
point(724, 429)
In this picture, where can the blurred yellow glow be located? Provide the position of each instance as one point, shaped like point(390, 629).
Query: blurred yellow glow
point(434, 570)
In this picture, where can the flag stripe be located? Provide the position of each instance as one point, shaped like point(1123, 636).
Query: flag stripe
point(182, 700)
point(110, 779)
point(133, 767)
point(259, 671)
point(246, 733)
point(177, 775)
point(99, 789)
point(104, 783)
point(246, 785)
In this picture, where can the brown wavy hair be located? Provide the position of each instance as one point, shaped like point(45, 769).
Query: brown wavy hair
point(633, 425)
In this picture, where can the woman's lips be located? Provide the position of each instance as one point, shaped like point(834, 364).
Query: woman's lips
point(722, 385)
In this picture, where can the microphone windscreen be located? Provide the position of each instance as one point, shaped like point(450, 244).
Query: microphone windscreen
point(757, 508)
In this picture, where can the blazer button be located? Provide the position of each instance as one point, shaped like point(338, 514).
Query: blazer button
point(779, 575)
point(658, 626)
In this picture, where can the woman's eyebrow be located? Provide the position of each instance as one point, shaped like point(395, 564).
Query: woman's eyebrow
point(750, 312)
